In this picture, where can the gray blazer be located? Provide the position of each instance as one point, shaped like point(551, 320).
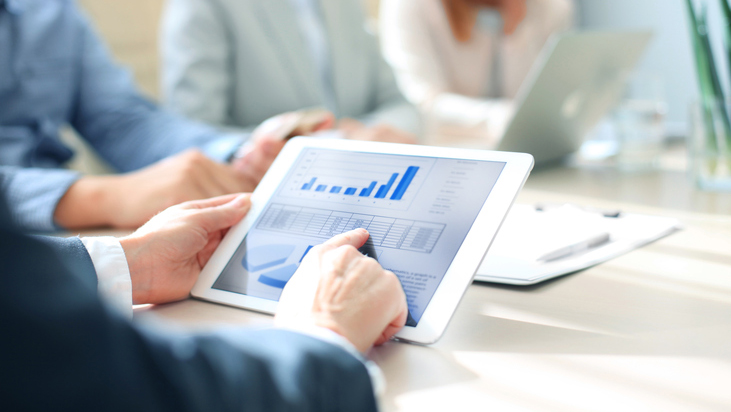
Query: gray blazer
point(234, 63)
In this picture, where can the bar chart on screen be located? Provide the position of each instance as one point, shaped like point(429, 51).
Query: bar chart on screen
point(387, 181)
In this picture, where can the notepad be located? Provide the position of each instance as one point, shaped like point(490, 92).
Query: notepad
point(534, 235)
point(537, 244)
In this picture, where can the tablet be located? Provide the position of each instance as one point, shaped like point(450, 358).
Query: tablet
point(431, 213)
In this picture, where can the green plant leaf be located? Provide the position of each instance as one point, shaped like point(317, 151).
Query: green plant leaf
point(705, 83)
point(706, 45)
point(726, 8)
point(726, 16)
point(720, 107)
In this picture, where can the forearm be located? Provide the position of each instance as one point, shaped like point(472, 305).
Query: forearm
point(461, 116)
point(125, 128)
point(459, 110)
point(114, 262)
point(398, 114)
point(130, 134)
point(87, 203)
point(53, 312)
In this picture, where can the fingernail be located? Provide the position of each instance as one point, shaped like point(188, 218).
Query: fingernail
point(242, 201)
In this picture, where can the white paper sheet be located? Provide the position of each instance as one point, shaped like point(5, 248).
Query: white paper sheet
point(528, 233)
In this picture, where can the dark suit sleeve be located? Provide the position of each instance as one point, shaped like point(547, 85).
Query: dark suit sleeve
point(61, 349)
point(71, 252)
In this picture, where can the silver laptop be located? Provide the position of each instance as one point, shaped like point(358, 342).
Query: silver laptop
point(577, 79)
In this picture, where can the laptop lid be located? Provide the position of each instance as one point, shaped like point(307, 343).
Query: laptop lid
point(577, 79)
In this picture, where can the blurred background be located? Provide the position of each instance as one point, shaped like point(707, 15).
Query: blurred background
point(130, 28)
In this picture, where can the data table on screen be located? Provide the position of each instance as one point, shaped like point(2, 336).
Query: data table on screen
point(385, 231)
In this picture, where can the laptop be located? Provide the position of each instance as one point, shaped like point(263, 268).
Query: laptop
point(577, 79)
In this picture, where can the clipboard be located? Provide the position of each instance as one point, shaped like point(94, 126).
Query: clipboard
point(512, 260)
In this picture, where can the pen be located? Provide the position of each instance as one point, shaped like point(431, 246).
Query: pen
point(575, 248)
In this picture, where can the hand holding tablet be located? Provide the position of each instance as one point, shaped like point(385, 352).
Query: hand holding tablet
point(255, 156)
point(431, 213)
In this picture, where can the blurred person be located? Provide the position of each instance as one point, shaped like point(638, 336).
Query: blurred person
point(55, 71)
point(67, 346)
point(463, 61)
point(234, 63)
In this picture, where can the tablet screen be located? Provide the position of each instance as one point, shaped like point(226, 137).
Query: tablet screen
point(417, 210)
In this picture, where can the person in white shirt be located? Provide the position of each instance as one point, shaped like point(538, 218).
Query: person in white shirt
point(463, 61)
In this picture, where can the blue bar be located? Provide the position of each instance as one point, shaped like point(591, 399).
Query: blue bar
point(368, 190)
point(308, 186)
point(350, 191)
point(383, 190)
point(336, 189)
point(305, 254)
point(321, 188)
point(404, 183)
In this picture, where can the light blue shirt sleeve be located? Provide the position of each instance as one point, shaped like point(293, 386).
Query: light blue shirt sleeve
point(56, 71)
point(126, 129)
point(33, 193)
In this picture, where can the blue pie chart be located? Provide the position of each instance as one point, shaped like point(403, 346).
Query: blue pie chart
point(265, 257)
point(278, 278)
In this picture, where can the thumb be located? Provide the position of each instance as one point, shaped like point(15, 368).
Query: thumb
point(327, 123)
point(276, 128)
point(223, 216)
point(211, 202)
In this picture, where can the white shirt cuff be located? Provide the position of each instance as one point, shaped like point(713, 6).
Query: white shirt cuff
point(378, 380)
point(110, 263)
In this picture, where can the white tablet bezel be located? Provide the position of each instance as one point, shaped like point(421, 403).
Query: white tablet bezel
point(458, 276)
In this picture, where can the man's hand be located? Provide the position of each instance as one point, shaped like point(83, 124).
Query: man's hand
point(267, 140)
point(129, 200)
point(355, 130)
point(166, 255)
point(338, 288)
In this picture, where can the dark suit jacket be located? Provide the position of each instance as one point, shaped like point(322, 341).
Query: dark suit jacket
point(61, 349)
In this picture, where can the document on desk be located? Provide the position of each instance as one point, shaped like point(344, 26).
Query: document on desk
point(537, 244)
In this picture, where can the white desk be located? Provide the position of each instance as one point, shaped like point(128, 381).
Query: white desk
point(650, 330)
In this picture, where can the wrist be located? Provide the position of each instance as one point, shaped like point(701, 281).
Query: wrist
point(86, 203)
point(138, 269)
point(327, 322)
